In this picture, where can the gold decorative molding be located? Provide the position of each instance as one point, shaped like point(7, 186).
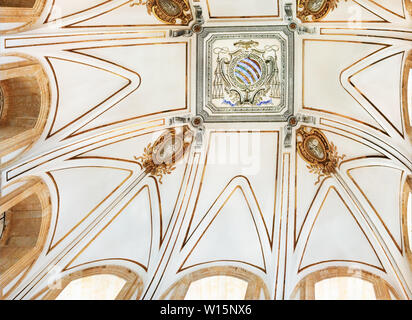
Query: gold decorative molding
point(160, 157)
point(315, 10)
point(315, 149)
point(167, 11)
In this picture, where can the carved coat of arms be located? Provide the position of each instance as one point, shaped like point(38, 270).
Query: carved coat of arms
point(247, 76)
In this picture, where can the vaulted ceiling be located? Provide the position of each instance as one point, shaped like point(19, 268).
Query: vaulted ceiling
point(241, 197)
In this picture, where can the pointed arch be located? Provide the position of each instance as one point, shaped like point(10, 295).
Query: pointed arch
point(27, 221)
point(256, 288)
point(24, 12)
point(24, 104)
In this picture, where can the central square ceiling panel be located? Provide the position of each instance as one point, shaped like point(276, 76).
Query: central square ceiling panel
point(245, 74)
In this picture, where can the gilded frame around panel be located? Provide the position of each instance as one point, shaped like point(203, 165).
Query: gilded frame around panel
point(250, 32)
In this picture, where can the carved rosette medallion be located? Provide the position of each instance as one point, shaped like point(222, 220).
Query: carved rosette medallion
point(160, 157)
point(169, 11)
point(315, 149)
point(315, 10)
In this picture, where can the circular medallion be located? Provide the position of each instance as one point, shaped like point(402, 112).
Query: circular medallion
point(247, 71)
point(293, 121)
point(315, 148)
point(169, 7)
point(197, 28)
point(197, 121)
point(168, 150)
point(315, 5)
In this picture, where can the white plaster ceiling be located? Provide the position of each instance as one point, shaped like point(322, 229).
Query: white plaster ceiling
point(243, 199)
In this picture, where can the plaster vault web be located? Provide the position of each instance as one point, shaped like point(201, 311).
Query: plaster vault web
point(261, 148)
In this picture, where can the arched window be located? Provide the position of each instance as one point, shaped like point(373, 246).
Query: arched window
point(20, 14)
point(97, 283)
point(24, 105)
point(407, 217)
point(342, 283)
point(218, 283)
point(217, 288)
point(25, 216)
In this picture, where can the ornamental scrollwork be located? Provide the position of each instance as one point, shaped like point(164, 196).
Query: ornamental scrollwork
point(159, 158)
point(320, 154)
point(168, 11)
point(247, 76)
point(315, 10)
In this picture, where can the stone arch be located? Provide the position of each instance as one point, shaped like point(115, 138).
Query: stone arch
point(27, 214)
point(24, 104)
point(21, 14)
point(406, 104)
point(407, 218)
point(305, 289)
point(132, 281)
point(254, 290)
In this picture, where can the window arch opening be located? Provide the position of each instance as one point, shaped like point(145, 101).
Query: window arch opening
point(342, 283)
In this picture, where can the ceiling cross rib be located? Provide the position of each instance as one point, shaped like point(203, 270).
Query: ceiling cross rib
point(323, 159)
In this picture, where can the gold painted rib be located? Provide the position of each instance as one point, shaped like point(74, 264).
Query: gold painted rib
point(300, 269)
point(399, 247)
